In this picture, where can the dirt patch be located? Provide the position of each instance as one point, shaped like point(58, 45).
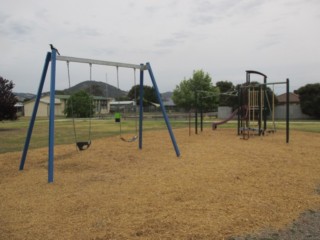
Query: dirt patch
point(220, 187)
point(307, 227)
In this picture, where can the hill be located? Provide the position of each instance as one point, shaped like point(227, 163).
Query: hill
point(24, 96)
point(95, 88)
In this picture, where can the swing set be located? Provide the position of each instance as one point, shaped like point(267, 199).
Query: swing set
point(82, 145)
point(117, 115)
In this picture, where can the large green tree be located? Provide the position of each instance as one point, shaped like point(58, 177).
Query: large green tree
point(310, 99)
point(80, 104)
point(149, 94)
point(195, 90)
point(7, 100)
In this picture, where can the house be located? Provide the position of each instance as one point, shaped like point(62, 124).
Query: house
point(101, 105)
point(294, 107)
point(293, 98)
point(19, 106)
point(122, 106)
point(169, 105)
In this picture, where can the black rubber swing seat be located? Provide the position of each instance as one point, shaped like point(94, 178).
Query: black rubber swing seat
point(129, 140)
point(83, 145)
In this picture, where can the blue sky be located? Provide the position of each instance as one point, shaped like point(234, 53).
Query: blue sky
point(222, 37)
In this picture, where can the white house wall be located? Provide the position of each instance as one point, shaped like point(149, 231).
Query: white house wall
point(294, 112)
point(60, 104)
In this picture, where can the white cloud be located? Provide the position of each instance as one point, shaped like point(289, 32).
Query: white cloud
point(222, 37)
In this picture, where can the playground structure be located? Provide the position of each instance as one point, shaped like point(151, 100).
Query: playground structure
point(254, 105)
point(253, 108)
point(53, 57)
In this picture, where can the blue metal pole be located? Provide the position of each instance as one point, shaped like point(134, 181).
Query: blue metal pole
point(176, 148)
point(287, 110)
point(51, 117)
point(141, 106)
point(35, 110)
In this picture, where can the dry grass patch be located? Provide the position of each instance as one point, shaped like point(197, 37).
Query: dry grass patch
point(221, 186)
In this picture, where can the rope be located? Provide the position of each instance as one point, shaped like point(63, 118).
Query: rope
point(135, 96)
point(135, 99)
point(118, 78)
point(273, 108)
point(273, 103)
point(90, 107)
point(269, 105)
point(249, 115)
point(80, 145)
point(72, 114)
point(118, 108)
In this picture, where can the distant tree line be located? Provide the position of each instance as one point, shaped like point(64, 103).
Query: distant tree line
point(188, 93)
point(191, 92)
point(7, 100)
point(310, 99)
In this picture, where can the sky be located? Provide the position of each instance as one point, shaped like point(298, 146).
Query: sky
point(224, 38)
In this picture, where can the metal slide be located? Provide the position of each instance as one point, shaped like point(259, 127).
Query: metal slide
point(215, 124)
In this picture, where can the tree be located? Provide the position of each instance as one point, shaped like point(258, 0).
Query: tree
point(149, 94)
point(7, 100)
point(226, 97)
point(188, 93)
point(310, 99)
point(80, 104)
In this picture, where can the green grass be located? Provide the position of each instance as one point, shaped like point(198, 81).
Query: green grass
point(13, 133)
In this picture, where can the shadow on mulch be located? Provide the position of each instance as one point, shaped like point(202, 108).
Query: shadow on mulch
point(306, 227)
point(8, 129)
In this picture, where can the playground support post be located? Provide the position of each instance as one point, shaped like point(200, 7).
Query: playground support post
point(264, 113)
point(175, 145)
point(196, 113)
point(189, 123)
point(141, 107)
point(35, 110)
point(287, 111)
point(240, 108)
point(51, 117)
point(201, 115)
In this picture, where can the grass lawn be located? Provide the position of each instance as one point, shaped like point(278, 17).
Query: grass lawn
point(13, 133)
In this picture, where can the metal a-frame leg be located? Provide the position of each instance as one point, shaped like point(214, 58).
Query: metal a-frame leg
point(35, 109)
point(175, 145)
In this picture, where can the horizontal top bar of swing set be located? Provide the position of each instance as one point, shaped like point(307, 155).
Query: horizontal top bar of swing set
point(260, 84)
point(100, 62)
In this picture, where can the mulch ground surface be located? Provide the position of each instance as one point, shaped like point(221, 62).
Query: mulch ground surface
point(221, 187)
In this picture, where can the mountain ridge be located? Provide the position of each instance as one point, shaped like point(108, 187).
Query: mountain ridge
point(96, 88)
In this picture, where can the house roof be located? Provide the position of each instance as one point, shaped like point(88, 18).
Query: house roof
point(19, 104)
point(47, 101)
point(293, 98)
point(68, 96)
point(122, 103)
point(169, 102)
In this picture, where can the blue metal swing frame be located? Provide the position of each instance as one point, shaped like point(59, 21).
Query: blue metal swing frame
point(52, 57)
